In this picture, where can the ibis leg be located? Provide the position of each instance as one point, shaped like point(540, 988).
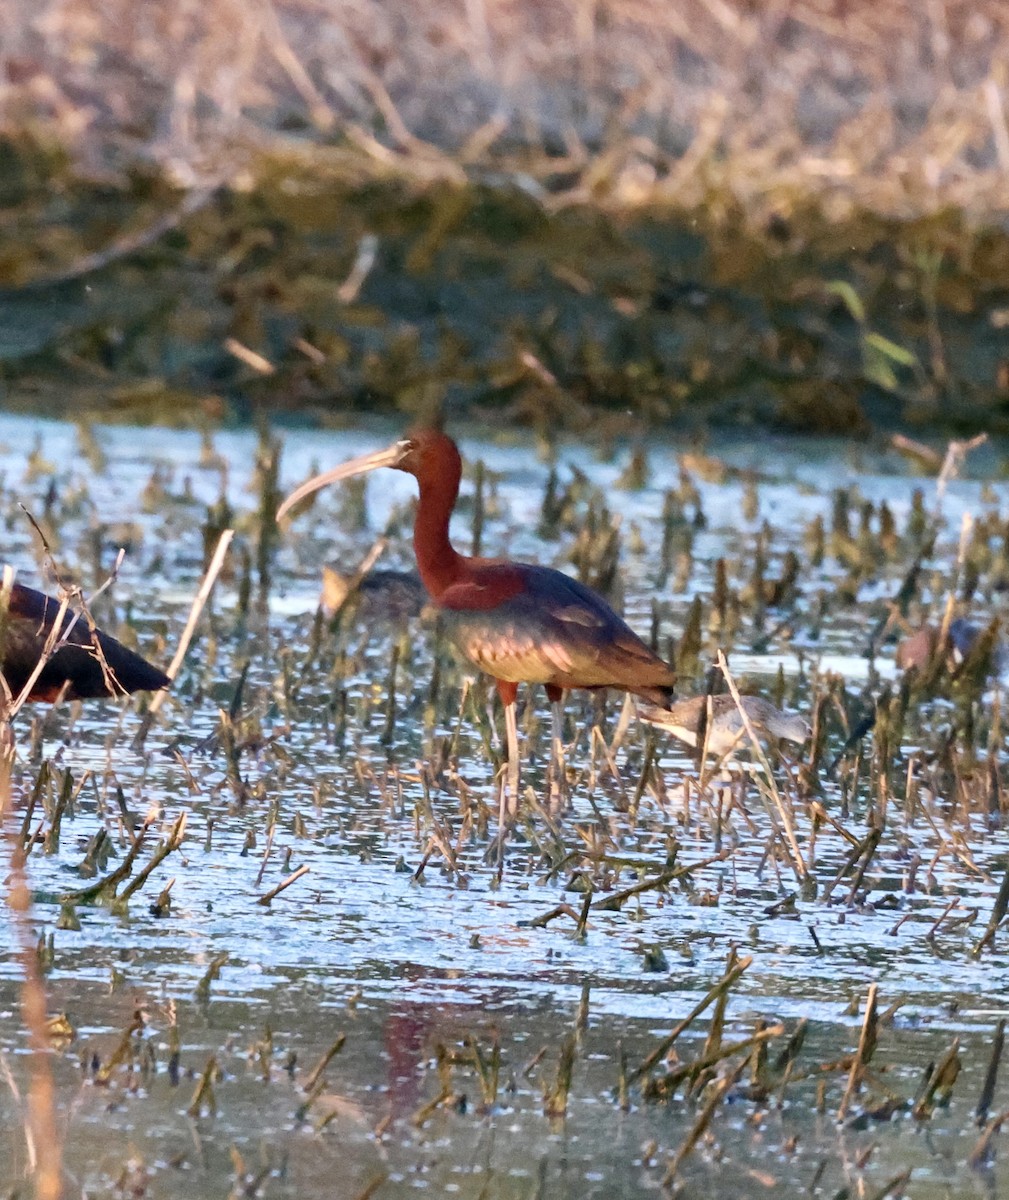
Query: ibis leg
point(557, 779)
point(512, 732)
point(557, 768)
point(510, 788)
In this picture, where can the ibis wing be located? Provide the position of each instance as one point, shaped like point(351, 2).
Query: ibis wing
point(551, 629)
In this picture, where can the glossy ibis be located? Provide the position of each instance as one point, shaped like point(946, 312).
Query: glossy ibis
point(517, 622)
point(87, 664)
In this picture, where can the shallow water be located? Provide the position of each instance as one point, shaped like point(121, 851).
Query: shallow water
point(403, 960)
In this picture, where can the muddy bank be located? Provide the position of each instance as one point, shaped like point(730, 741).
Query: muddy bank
point(326, 290)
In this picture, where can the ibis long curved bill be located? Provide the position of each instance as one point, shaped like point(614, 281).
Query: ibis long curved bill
point(391, 457)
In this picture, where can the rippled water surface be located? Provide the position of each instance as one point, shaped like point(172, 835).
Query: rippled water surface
point(406, 937)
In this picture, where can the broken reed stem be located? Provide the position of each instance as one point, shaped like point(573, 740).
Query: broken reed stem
point(615, 901)
point(718, 1093)
point(203, 1096)
point(583, 916)
point(940, 1083)
point(487, 1072)
point(555, 1102)
point(694, 1069)
point(371, 1188)
point(991, 1075)
point(647, 763)
point(560, 910)
point(199, 602)
point(956, 453)
point(284, 883)
point(998, 912)
point(982, 1147)
point(663, 1048)
point(113, 879)
point(893, 1187)
point(798, 865)
point(316, 1073)
point(161, 852)
point(717, 1024)
point(866, 1046)
point(863, 850)
point(123, 1053)
point(202, 596)
point(213, 971)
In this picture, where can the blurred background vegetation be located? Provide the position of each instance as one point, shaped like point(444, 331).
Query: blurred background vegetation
point(787, 212)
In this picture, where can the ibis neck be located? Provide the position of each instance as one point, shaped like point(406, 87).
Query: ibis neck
point(439, 564)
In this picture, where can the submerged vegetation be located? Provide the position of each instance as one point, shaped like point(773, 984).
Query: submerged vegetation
point(267, 945)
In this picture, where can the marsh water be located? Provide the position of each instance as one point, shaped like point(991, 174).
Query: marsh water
point(363, 750)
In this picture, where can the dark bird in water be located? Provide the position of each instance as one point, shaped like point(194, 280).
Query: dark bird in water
point(962, 639)
point(517, 622)
point(87, 664)
point(378, 595)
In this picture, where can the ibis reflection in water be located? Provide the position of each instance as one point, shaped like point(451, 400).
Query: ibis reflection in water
point(517, 622)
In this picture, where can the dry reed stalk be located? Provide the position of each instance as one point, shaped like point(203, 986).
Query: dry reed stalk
point(284, 884)
point(897, 107)
point(200, 600)
point(202, 596)
point(45, 1145)
point(666, 1085)
point(663, 1048)
point(940, 1083)
point(315, 1075)
point(798, 865)
point(161, 852)
point(372, 1186)
point(717, 1094)
point(991, 1074)
point(982, 1151)
point(866, 1046)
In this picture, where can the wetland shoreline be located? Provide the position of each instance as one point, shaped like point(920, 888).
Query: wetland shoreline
point(325, 292)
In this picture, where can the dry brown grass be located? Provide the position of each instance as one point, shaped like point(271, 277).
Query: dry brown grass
point(899, 106)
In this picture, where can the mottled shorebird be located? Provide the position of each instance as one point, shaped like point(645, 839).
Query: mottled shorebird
point(686, 720)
